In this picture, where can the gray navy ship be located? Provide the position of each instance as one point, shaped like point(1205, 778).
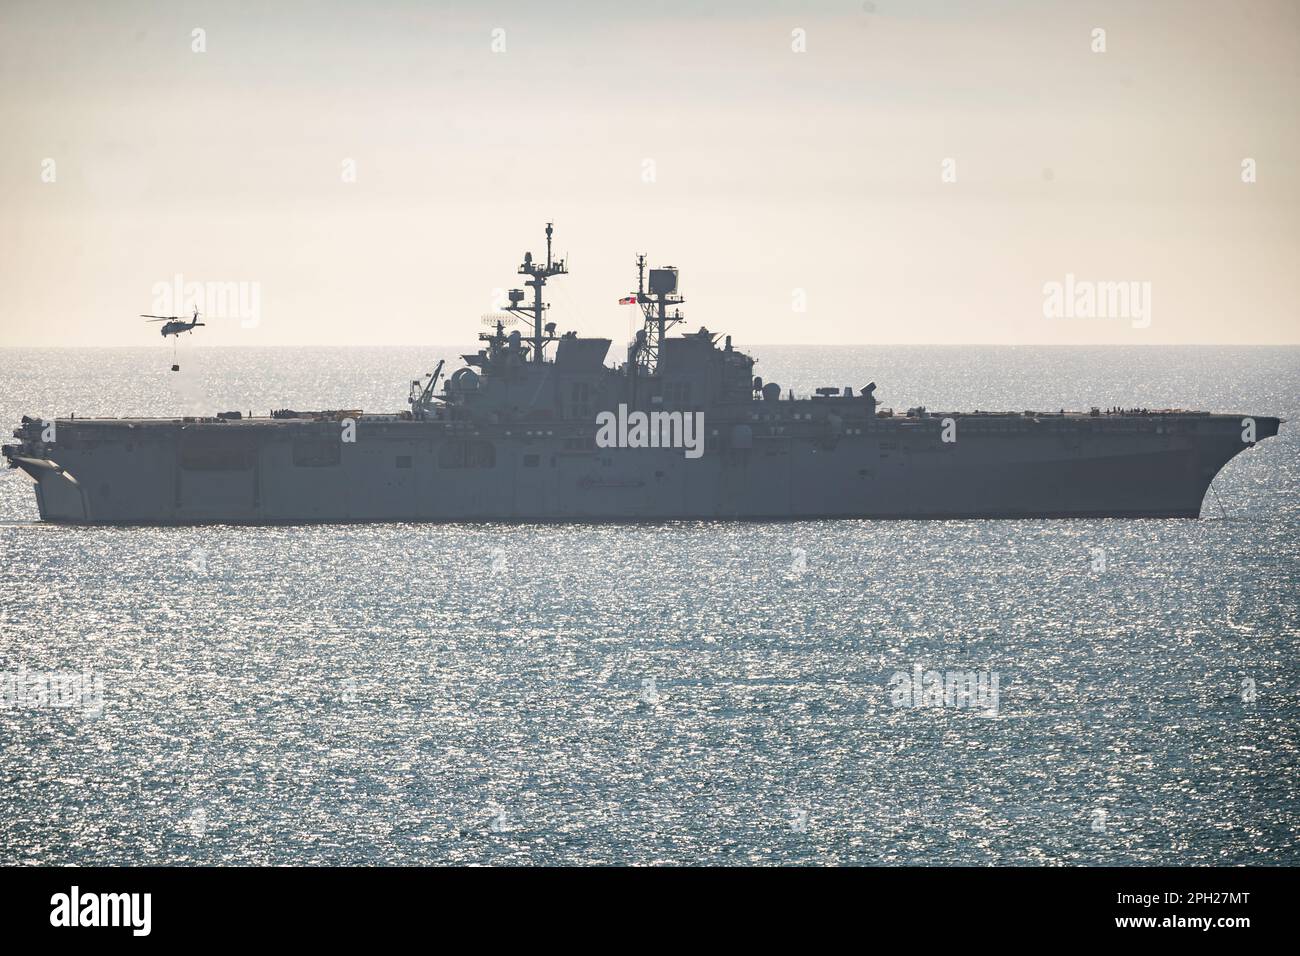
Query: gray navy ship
point(537, 426)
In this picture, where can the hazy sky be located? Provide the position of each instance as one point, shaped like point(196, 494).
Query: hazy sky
point(779, 179)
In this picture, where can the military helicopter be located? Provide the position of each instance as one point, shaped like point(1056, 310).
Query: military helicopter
point(175, 326)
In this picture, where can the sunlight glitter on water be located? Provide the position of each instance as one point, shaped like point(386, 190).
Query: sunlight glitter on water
point(683, 692)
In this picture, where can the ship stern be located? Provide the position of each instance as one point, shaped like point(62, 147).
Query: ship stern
point(60, 497)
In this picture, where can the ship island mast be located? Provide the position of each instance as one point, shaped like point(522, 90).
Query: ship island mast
point(654, 307)
point(538, 274)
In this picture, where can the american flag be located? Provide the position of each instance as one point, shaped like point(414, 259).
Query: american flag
point(627, 300)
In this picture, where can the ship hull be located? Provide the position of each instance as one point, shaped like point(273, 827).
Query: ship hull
point(107, 472)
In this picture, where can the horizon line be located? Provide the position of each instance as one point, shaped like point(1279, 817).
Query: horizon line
point(939, 345)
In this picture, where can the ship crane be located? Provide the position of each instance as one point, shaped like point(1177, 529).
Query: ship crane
point(421, 399)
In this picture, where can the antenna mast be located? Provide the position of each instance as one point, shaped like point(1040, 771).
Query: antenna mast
point(538, 274)
point(654, 307)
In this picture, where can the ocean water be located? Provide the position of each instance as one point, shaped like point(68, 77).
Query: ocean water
point(675, 693)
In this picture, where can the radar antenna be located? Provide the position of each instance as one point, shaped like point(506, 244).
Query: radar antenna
point(654, 306)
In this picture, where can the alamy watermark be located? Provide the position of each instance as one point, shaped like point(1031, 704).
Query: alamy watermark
point(1089, 299)
point(650, 694)
point(215, 300)
point(798, 562)
point(954, 689)
point(75, 908)
point(57, 690)
point(651, 430)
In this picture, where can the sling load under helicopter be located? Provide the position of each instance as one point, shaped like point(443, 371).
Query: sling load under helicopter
point(174, 327)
